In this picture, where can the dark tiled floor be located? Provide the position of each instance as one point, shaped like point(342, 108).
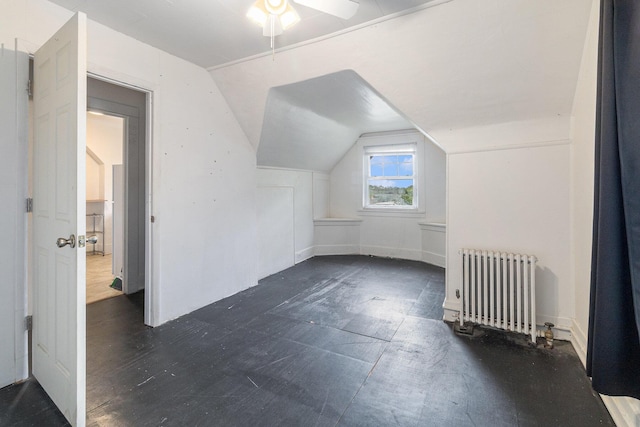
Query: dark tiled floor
point(332, 341)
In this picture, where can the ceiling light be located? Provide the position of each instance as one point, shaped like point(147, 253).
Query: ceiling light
point(276, 7)
point(258, 13)
point(289, 17)
point(274, 16)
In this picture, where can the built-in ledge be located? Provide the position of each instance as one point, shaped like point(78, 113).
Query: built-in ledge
point(433, 226)
point(332, 222)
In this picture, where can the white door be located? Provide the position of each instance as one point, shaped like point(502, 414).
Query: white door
point(59, 208)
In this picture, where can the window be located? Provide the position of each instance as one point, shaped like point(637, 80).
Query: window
point(390, 173)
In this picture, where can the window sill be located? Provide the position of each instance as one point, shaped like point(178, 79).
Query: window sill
point(433, 226)
point(331, 222)
point(391, 212)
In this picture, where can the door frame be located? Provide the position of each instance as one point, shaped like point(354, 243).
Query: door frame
point(151, 299)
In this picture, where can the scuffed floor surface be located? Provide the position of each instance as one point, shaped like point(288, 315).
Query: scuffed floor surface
point(349, 341)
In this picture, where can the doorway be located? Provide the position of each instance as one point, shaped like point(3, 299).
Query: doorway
point(120, 217)
point(105, 197)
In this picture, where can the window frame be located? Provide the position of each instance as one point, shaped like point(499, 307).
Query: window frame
point(390, 149)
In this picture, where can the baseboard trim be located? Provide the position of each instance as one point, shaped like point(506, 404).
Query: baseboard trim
point(336, 250)
point(382, 251)
point(305, 254)
point(434, 259)
point(579, 342)
point(625, 411)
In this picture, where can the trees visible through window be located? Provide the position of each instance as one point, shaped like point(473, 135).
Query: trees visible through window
point(390, 177)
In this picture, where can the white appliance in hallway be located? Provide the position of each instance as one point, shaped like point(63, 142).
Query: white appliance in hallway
point(118, 221)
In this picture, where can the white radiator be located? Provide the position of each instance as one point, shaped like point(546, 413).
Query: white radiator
point(498, 290)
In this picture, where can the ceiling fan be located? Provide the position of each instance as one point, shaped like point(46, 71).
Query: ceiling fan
point(275, 16)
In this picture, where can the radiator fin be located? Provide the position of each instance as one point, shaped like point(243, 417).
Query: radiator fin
point(498, 290)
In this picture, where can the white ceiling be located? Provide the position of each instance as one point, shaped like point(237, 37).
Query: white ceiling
point(215, 32)
point(312, 124)
point(460, 64)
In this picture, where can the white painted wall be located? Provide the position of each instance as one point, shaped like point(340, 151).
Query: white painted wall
point(203, 166)
point(515, 200)
point(94, 177)
point(582, 174)
point(390, 234)
point(285, 217)
point(105, 140)
point(624, 410)
point(321, 184)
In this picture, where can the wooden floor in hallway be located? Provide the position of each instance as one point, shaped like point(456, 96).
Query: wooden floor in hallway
point(100, 278)
point(333, 341)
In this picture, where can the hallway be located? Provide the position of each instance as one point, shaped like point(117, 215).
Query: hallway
point(339, 340)
point(99, 278)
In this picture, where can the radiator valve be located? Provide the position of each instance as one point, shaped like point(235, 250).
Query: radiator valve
point(548, 335)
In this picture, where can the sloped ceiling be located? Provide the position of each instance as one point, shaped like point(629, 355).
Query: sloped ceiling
point(454, 66)
point(445, 65)
point(312, 124)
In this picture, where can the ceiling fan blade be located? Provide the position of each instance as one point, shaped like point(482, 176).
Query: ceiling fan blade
point(344, 9)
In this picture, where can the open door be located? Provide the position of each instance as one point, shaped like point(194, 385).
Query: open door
point(58, 268)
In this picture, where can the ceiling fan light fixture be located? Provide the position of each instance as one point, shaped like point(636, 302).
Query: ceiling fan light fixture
point(273, 27)
point(289, 17)
point(276, 7)
point(258, 13)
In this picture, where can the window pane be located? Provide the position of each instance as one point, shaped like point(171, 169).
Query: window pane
point(389, 159)
point(391, 192)
point(375, 160)
point(390, 169)
point(406, 169)
point(376, 170)
point(405, 158)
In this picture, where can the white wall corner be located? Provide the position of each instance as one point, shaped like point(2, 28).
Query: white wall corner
point(305, 254)
point(434, 259)
point(579, 341)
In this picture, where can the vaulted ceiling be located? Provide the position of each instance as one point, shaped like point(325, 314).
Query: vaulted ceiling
point(312, 124)
point(454, 70)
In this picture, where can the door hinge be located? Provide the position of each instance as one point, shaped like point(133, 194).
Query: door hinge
point(30, 88)
point(29, 204)
point(28, 322)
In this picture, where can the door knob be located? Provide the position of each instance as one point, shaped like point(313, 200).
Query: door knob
point(92, 240)
point(62, 242)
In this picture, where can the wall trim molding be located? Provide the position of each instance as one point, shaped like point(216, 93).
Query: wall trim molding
point(434, 259)
point(579, 341)
point(538, 144)
point(305, 254)
point(389, 252)
point(438, 227)
point(333, 222)
point(322, 250)
point(625, 411)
